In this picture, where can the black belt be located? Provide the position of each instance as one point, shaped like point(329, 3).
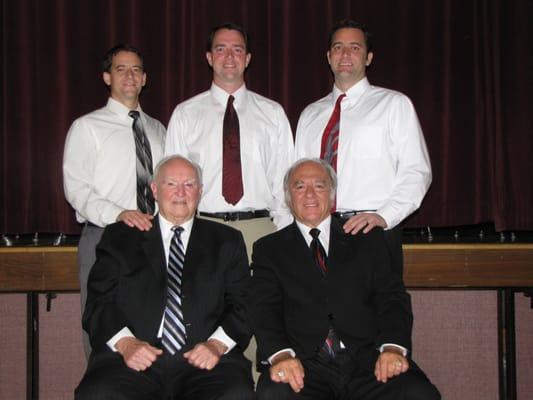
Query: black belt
point(350, 213)
point(237, 215)
point(87, 223)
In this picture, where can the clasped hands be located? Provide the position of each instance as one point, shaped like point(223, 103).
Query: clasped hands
point(140, 355)
point(288, 369)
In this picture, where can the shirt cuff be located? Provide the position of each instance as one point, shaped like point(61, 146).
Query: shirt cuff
point(401, 348)
point(124, 332)
point(289, 350)
point(221, 336)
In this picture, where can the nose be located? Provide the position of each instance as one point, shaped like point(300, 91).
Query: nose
point(180, 190)
point(309, 191)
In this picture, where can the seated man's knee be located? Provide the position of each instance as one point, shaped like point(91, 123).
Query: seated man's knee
point(269, 390)
point(238, 392)
point(418, 387)
point(97, 389)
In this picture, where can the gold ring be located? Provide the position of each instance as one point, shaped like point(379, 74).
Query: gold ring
point(281, 374)
point(398, 364)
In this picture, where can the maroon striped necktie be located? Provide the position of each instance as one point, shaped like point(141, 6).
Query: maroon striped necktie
point(330, 137)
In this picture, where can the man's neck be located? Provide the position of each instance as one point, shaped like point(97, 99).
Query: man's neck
point(130, 104)
point(344, 86)
point(229, 87)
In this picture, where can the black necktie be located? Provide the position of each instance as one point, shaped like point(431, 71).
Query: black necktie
point(145, 198)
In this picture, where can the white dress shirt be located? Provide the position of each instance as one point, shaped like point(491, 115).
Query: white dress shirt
point(323, 237)
point(99, 171)
point(382, 161)
point(267, 149)
point(166, 235)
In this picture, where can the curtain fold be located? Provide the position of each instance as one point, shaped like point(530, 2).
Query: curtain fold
point(466, 65)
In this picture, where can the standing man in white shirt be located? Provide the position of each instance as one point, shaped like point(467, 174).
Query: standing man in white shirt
point(242, 141)
point(373, 139)
point(108, 159)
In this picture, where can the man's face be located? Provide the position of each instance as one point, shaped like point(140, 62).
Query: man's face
point(126, 77)
point(228, 57)
point(177, 191)
point(310, 194)
point(348, 56)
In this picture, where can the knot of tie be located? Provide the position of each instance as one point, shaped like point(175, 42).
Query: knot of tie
point(134, 114)
point(230, 100)
point(314, 233)
point(177, 230)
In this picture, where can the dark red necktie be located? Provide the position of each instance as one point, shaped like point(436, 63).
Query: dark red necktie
point(319, 254)
point(231, 156)
point(331, 345)
point(330, 137)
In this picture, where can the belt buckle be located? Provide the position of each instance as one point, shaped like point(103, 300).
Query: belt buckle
point(231, 216)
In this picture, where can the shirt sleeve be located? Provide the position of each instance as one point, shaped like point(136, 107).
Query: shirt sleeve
point(413, 175)
point(175, 142)
point(221, 336)
point(401, 348)
point(79, 160)
point(124, 332)
point(281, 159)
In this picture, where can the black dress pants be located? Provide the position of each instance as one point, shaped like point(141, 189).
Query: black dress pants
point(169, 378)
point(342, 379)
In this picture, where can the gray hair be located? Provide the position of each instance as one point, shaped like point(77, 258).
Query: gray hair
point(328, 168)
point(167, 159)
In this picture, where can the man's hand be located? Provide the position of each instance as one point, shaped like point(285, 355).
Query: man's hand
point(287, 369)
point(206, 355)
point(390, 363)
point(137, 355)
point(364, 221)
point(135, 218)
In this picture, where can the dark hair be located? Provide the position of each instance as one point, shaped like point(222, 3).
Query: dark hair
point(108, 57)
point(348, 23)
point(232, 27)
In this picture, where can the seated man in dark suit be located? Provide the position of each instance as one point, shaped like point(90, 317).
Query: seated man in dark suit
point(169, 329)
point(331, 319)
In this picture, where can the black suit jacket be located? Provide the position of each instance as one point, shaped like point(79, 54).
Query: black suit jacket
point(127, 285)
point(292, 304)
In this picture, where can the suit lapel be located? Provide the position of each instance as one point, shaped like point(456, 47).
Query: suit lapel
point(154, 251)
point(300, 253)
point(338, 248)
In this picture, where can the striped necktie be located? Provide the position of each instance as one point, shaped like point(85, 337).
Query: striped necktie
point(173, 327)
point(330, 137)
point(319, 254)
point(331, 345)
point(145, 198)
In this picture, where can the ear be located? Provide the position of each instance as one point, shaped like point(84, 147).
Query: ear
point(369, 58)
point(209, 57)
point(153, 186)
point(106, 76)
point(248, 58)
point(143, 79)
point(329, 60)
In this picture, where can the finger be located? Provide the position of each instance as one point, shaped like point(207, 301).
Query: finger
point(296, 381)
point(369, 226)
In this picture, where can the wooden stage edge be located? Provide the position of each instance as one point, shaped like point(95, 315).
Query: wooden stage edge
point(24, 269)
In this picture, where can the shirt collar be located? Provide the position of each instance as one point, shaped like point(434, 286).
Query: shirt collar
point(166, 226)
point(119, 108)
point(221, 95)
point(354, 93)
point(324, 228)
